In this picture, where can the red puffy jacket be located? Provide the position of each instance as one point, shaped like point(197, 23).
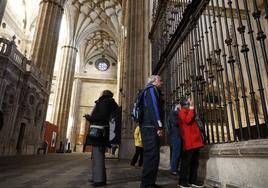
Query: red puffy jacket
point(189, 130)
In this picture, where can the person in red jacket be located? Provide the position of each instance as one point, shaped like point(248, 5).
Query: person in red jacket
point(192, 142)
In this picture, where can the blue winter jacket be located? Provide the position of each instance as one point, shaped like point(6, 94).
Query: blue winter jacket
point(152, 107)
point(173, 119)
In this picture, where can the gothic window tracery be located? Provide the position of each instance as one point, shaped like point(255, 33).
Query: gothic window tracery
point(102, 64)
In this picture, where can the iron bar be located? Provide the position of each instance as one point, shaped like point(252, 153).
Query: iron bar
point(218, 72)
point(182, 71)
point(203, 81)
point(177, 76)
point(260, 35)
point(212, 76)
point(244, 51)
point(178, 64)
point(172, 80)
point(266, 8)
point(193, 67)
point(206, 70)
point(228, 87)
point(188, 63)
point(210, 84)
point(197, 71)
point(241, 76)
point(186, 68)
point(256, 64)
point(231, 61)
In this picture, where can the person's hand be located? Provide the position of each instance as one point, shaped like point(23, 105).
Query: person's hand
point(160, 132)
point(191, 103)
point(87, 116)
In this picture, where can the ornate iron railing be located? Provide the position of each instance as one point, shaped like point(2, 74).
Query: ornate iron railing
point(216, 52)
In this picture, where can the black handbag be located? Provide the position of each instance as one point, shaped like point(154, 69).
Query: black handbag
point(201, 127)
point(96, 131)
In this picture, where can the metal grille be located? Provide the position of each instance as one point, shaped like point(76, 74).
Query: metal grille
point(216, 52)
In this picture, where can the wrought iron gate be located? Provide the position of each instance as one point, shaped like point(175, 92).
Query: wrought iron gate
point(216, 52)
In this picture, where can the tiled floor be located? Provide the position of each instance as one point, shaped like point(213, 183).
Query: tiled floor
point(69, 171)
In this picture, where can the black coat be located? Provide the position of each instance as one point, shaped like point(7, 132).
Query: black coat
point(100, 115)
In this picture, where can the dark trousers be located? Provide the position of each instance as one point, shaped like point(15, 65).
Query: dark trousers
point(151, 156)
point(189, 166)
point(98, 164)
point(138, 153)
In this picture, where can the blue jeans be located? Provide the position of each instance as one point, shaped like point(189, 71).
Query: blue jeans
point(176, 152)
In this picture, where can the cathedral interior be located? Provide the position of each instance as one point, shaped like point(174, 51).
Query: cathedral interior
point(57, 56)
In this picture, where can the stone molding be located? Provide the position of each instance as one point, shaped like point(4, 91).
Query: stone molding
point(68, 46)
point(87, 79)
point(59, 4)
point(251, 148)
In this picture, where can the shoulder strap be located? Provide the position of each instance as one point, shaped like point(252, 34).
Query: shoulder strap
point(148, 87)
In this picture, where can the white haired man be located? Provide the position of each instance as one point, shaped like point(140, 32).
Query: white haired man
point(151, 130)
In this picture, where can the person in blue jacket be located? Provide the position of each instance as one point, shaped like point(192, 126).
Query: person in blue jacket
point(151, 129)
point(175, 138)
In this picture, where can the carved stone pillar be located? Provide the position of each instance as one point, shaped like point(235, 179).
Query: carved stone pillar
point(47, 35)
point(65, 78)
point(135, 64)
point(3, 4)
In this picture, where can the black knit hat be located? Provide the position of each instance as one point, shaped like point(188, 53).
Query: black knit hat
point(184, 101)
point(107, 93)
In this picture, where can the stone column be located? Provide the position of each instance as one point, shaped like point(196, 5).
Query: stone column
point(74, 112)
point(47, 35)
point(3, 4)
point(135, 64)
point(62, 100)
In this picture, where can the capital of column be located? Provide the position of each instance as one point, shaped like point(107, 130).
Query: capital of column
point(59, 3)
point(68, 46)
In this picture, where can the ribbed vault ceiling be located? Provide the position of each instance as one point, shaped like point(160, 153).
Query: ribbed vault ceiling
point(94, 26)
point(100, 43)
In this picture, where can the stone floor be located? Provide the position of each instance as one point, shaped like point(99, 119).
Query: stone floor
point(69, 171)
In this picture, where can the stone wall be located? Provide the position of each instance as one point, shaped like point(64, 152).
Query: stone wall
point(237, 165)
point(23, 102)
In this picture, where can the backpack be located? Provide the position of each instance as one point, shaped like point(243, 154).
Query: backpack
point(201, 127)
point(137, 110)
point(168, 125)
point(172, 120)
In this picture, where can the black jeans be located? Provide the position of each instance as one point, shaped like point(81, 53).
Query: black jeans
point(151, 156)
point(138, 153)
point(189, 166)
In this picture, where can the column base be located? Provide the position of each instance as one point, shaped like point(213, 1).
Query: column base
point(127, 148)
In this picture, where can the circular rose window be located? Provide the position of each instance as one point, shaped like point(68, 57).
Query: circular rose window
point(102, 64)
